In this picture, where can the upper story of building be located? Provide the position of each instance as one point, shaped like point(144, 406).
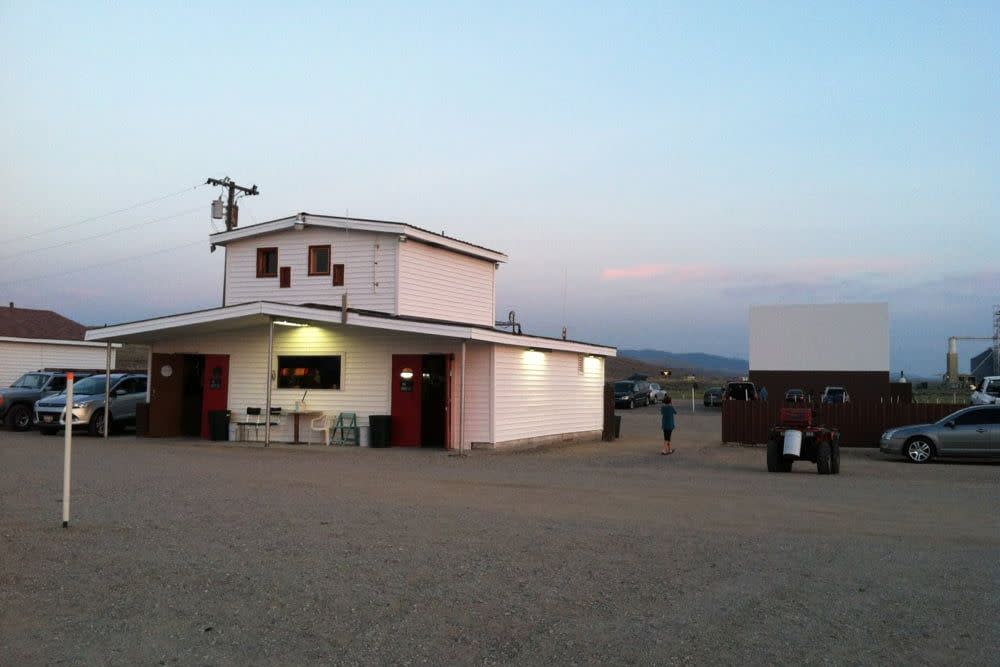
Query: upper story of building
point(389, 267)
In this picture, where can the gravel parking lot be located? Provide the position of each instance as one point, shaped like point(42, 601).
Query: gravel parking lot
point(193, 553)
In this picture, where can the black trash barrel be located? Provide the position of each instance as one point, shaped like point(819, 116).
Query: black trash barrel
point(218, 424)
point(381, 429)
point(618, 426)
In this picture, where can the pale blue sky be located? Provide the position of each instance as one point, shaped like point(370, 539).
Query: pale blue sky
point(716, 156)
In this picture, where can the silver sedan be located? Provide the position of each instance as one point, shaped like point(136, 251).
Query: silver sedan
point(971, 431)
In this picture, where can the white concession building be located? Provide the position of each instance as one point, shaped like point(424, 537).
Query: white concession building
point(330, 315)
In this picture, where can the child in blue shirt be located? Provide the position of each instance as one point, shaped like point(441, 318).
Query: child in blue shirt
point(667, 412)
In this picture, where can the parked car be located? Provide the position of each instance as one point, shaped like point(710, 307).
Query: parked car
point(968, 432)
point(18, 400)
point(630, 393)
point(713, 397)
point(656, 393)
point(835, 395)
point(795, 397)
point(127, 391)
point(740, 391)
point(988, 392)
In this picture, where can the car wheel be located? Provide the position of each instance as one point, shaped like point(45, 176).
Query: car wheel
point(48, 431)
point(19, 418)
point(824, 455)
point(96, 425)
point(919, 450)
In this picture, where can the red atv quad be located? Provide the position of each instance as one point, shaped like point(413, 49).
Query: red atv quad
point(796, 439)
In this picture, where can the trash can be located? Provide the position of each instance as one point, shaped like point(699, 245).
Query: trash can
point(142, 420)
point(218, 424)
point(381, 429)
point(618, 426)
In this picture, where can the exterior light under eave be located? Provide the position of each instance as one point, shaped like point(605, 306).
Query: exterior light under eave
point(286, 323)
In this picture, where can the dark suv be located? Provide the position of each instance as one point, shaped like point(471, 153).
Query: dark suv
point(630, 393)
point(741, 391)
point(17, 402)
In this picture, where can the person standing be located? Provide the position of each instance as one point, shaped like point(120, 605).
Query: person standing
point(763, 393)
point(667, 423)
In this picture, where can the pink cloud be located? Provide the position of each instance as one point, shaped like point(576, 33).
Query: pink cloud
point(815, 270)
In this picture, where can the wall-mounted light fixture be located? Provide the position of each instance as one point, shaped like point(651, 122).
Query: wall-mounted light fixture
point(286, 323)
point(538, 349)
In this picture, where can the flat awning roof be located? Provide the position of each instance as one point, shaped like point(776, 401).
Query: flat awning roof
point(259, 313)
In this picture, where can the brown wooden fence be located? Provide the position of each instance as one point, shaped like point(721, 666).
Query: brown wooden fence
point(860, 423)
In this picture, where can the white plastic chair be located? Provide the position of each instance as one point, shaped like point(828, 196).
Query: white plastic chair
point(323, 424)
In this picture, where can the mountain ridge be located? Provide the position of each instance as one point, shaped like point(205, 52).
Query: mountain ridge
point(692, 361)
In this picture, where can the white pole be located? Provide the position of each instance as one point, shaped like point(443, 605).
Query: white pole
point(461, 413)
point(692, 400)
point(67, 448)
point(270, 355)
point(107, 391)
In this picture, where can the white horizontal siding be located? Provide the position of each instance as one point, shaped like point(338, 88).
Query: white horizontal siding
point(478, 385)
point(542, 394)
point(16, 359)
point(369, 261)
point(445, 285)
point(365, 371)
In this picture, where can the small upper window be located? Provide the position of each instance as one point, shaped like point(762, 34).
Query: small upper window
point(267, 262)
point(319, 260)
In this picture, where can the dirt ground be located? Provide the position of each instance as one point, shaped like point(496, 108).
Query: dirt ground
point(604, 553)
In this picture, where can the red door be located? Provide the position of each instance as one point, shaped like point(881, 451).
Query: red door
point(215, 388)
point(406, 405)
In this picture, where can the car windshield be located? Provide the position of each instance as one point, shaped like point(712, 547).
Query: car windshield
point(30, 381)
point(993, 388)
point(623, 386)
point(741, 388)
point(90, 386)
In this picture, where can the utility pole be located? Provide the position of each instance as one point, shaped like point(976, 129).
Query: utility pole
point(232, 210)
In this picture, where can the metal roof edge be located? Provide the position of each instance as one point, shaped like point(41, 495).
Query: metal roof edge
point(360, 224)
point(53, 341)
point(334, 316)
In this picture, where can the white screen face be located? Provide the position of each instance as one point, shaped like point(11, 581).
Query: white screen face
point(823, 337)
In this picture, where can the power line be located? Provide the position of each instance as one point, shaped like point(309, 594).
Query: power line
point(105, 215)
point(101, 265)
point(102, 235)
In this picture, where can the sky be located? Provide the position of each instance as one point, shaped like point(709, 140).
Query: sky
point(652, 169)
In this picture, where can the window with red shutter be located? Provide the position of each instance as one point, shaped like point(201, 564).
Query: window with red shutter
point(286, 276)
point(267, 262)
point(319, 260)
point(338, 275)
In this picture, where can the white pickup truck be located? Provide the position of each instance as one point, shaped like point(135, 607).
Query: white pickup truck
point(988, 391)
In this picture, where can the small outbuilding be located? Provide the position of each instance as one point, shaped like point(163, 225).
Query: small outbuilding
point(33, 339)
point(346, 316)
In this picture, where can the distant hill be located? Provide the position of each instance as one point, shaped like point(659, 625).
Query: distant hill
point(693, 361)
